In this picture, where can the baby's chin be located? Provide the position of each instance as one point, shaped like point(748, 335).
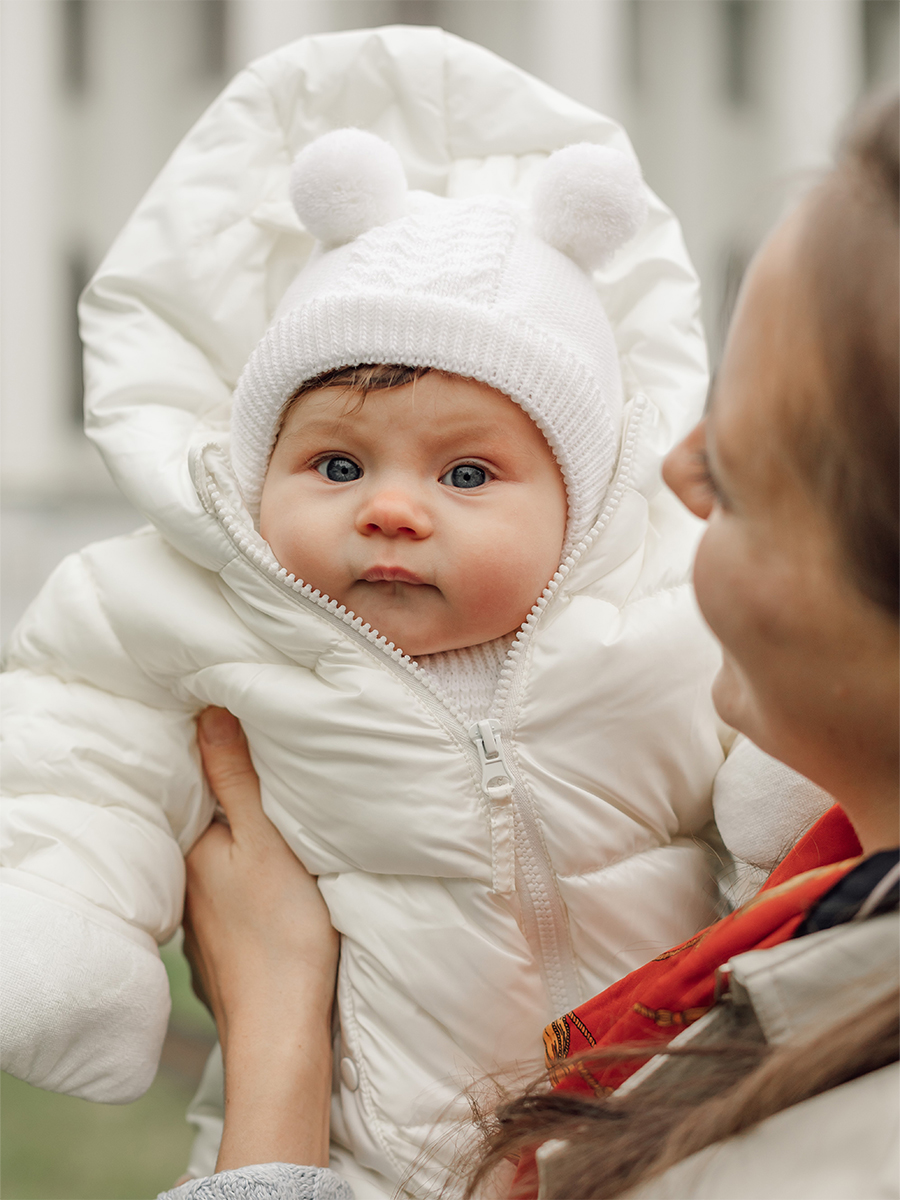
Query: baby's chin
point(419, 643)
point(423, 645)
point(418, 620)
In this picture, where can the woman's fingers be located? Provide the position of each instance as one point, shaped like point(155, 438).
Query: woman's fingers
point(228, 766)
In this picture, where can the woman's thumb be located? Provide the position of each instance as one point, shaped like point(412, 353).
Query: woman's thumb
point(227, 762)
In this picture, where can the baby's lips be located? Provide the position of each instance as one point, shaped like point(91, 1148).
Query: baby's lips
point(392, 575)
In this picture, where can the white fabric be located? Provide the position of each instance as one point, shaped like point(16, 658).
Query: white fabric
point(470, 917)
point(762, 807)
point(107, 1047)
point(346, 182)
point(588, 202)
point(841, 1145)
point(820, 978)
point(468, 677)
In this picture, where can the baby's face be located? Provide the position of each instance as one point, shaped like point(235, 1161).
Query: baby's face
point(436, 511)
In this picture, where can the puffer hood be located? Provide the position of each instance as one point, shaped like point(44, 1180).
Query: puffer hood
point(192, 283)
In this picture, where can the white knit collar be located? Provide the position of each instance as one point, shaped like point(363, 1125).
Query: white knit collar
point(469, 676)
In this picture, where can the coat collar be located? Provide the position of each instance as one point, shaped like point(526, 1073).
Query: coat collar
point(818, 978)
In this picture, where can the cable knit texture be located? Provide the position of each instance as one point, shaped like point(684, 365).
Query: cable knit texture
point(463, 286)
point(469, 677)
point(266, 1181)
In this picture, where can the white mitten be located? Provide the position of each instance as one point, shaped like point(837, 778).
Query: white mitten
point(85, 997)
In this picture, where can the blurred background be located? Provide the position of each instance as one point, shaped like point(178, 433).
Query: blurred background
point(732, 105)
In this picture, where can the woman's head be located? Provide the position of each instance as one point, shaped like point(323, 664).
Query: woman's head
point(797, 573)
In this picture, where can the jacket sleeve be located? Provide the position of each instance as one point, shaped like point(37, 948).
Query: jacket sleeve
point(762, 807)
point(103, 794)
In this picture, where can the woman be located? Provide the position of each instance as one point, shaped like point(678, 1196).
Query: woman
point(796, 471)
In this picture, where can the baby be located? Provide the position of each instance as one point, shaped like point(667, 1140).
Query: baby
point(437, 581)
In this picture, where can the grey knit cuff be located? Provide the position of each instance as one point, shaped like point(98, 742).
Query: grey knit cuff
point(267, 1181)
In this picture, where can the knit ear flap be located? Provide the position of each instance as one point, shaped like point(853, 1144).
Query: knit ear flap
point(346, 182)
point(589, 201)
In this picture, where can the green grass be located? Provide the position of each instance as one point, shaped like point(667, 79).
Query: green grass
point(188, 1014)
point(59, 1148)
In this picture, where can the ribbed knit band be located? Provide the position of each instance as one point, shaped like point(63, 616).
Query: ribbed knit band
point(469, 676)
point(559, 390)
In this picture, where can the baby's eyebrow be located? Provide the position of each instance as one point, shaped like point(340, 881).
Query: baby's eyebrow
point(316, 426)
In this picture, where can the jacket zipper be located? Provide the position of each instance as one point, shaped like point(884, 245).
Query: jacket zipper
point(519, 858)
point(497, 786)
point(544, 915)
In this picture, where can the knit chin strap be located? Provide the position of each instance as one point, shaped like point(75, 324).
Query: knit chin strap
point(469, 677)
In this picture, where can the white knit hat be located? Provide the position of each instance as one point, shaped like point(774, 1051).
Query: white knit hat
point(481, 287)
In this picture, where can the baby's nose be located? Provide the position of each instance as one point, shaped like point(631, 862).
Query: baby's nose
point(394, 512)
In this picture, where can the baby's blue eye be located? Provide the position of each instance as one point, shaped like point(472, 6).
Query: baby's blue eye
point(465, 476)
point(339, 470)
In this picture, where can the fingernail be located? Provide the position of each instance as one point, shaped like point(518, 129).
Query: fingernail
point(218, 726)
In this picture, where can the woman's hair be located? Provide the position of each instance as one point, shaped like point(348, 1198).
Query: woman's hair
point(847, 449)
point(614, 1144)
point(847, 453)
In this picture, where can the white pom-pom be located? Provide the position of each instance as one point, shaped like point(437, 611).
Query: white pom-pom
point(589, 201)
point(346, 182)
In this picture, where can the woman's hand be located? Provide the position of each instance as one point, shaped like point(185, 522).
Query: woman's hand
point(262, 949)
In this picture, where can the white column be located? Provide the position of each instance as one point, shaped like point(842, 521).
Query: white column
point(580, 47)
point(815, 69)
point(143, 93)
point(34, 378)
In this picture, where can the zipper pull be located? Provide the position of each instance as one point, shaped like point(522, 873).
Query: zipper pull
point(496, 783)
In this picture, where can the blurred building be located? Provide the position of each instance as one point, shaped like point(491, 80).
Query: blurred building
point(730, 103)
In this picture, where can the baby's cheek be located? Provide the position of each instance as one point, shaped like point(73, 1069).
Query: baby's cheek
point(506, 581)
point(295, 553)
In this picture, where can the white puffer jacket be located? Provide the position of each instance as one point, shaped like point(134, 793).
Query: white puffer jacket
point(470, 916)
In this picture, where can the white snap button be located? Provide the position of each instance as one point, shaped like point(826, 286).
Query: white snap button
point(349, 1074)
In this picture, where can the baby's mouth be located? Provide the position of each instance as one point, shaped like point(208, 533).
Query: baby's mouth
point(391, 575)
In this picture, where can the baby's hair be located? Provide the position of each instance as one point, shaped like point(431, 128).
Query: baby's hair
point(363, 378)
